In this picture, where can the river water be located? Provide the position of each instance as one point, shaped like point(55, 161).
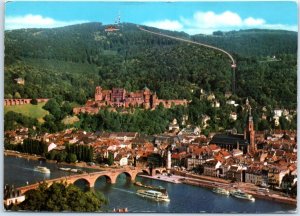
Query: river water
point(184, 198)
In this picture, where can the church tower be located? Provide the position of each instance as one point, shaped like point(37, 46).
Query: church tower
point(168, 161)
point(98, 94)
point(249, 132)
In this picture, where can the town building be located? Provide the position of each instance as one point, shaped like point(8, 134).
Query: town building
point(12, 195)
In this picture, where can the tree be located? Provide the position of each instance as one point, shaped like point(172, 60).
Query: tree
point(51, 155)
point(53, 107)
point(263, 125)
point(62, 197)
point(66, 109)
point(110, 160)
point(17, 95)
point(8, 96)
point(284, 123)
point(34, 101)
point(61, 156)
point(71, 158)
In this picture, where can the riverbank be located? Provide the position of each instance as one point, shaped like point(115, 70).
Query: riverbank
point(22, 155)
point(39, 157)
point(211, 182)
point(175, 179)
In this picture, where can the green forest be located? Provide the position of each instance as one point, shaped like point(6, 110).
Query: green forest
point(67, 63)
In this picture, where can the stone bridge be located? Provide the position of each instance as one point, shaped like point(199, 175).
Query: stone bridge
point(91, 178)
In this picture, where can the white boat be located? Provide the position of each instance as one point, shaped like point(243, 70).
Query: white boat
point(242, 195)
point(155, 195)
point(221, 191)
point(64, 169)
point(42, 169)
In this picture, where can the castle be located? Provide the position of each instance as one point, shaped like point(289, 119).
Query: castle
point(119, 97)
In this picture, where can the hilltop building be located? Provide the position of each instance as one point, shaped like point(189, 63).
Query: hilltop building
point(119, 97)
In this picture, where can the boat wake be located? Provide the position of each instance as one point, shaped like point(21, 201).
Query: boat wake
point(126, 191)
point(31, 169)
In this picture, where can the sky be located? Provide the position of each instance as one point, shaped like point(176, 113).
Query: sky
point(190, 17)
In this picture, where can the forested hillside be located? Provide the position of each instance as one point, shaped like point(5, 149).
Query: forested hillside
point(253, 42)
point(68, 62)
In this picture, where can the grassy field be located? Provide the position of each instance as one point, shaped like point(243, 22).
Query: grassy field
point(33, 111)
point(70, 120)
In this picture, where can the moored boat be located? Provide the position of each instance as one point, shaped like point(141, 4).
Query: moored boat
point(242, 195)
point(221, 191)
point(155, 195)
point(74, 170)
point(64, 169)
point(71, 170)
point(42, 169)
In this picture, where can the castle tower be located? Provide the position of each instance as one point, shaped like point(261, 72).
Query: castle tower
point(98, 94)
point(169, 161)
point(147, 95)
point(249, 132)
point(154, 100)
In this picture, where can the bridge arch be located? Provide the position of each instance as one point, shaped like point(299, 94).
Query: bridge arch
point(157, 171)
point(107, 178)
point(87, 181)
point(163, 171)
point(129, 176)
point(145, 172)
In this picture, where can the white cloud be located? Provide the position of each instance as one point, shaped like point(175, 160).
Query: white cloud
point(36, 21)
point(210, 19)
point(166, 24)
point(250, 21)
point(208, 22)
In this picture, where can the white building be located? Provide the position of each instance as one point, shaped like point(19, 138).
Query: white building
point(12, 196)
point(278, 112)
point(233, 116)
point(51, 146)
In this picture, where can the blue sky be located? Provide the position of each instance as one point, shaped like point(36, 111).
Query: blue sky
point(191, 17)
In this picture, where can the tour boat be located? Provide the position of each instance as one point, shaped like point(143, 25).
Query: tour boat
point(221, 191)
point(42, 169)
point(242, 195)
point(155, 195)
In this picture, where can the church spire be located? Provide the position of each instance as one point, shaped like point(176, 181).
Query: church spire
point(249, 132)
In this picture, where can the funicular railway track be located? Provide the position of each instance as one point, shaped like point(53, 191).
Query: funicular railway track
point(233, 63)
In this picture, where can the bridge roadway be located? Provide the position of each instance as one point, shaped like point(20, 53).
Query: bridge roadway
point(91, 178)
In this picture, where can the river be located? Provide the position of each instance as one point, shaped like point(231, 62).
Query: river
point(184, 198)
